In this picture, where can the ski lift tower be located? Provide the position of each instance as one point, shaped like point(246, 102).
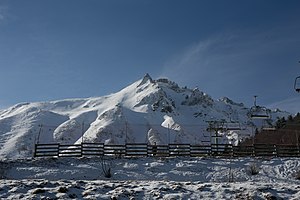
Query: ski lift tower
point(214, 127)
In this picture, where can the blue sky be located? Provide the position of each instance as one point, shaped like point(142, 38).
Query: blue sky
point(57, 49)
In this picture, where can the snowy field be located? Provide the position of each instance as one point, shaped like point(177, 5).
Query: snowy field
point(150, 178)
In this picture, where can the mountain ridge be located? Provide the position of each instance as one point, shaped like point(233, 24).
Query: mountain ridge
point(146, 111)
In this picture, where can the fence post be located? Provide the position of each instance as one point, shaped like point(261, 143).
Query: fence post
point(35, 149)
point(276, 150)
point(231, 150)
point(58, 148)
point(148, 150)
point(209, 152)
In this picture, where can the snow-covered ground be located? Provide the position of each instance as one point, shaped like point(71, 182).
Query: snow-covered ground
point(150, 178)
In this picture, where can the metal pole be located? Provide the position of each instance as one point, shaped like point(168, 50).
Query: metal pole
point(255, 96)
point(82, 132)
point(217, 140)
point(169, 133)
point(125, 132)
point(40, 131)
point(297, 139)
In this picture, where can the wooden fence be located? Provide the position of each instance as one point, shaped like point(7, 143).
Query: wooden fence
point(144, 150)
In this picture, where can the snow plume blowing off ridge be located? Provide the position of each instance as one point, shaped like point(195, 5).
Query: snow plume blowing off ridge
point(147, 111)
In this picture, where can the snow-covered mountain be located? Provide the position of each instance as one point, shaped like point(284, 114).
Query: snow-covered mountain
point(147, 111)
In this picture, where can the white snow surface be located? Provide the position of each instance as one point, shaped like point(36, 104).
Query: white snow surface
point(150, 178)
point(146, 111)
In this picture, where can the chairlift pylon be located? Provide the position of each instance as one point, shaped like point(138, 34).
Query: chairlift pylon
point(214, 127)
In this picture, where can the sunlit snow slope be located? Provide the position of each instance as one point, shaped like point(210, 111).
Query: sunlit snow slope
point(147, 111)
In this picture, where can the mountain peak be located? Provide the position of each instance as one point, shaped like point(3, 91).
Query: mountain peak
point(145, 79)
point(229, 101)
point(147, 76)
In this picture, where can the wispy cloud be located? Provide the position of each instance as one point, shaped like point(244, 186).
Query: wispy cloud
point(291, 105)
point(226, 53)
point(215, 65)
point(202, 58)
point(3, 12)
point(235, 63)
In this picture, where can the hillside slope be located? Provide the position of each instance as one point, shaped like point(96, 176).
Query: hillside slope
point(147, 111)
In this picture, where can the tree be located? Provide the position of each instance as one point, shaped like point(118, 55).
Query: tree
point(290, 118)
point(280, 123)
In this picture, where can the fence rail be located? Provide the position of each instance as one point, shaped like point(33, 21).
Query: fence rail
point(144, 150)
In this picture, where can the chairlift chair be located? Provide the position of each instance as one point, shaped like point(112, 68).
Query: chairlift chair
point(268, 126)
point(206, 142)
point(258, 112)
point(206, 138)
point(214, 126)
point(216, 136)
point(297, 84)
point(232, 126)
